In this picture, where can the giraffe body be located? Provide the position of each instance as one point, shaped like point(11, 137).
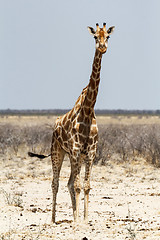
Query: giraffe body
point(76, 133)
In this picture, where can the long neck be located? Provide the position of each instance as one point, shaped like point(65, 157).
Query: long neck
point(93, 85)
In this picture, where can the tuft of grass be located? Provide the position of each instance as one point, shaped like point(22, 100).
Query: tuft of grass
point(130, 229)
point(13, 199)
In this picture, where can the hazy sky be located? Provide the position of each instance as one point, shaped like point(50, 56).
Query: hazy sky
point(46, 53)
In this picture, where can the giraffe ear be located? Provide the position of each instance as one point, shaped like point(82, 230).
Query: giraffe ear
point(91, 30)
point(110, 30)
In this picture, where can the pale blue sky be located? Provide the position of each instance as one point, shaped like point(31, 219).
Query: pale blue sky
point(46, 53)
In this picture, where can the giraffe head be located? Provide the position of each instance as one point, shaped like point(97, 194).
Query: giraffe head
point(101, 36)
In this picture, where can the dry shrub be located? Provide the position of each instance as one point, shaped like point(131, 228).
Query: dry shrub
point(38, 138)
point(34, 138)
point(124, 141)
point(128, 142)
point(10, 138)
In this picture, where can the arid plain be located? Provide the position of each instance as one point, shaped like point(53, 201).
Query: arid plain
point(124, 199)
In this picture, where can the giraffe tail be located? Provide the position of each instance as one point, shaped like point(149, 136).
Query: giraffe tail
point(30, 154)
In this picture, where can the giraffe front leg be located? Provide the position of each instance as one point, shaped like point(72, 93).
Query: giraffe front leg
point(75, 187)
point(72, 194)
point(88, 167)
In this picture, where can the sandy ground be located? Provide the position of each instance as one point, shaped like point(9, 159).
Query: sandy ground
point(124, 202)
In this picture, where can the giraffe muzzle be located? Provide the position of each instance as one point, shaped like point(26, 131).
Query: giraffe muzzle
point(102, 49)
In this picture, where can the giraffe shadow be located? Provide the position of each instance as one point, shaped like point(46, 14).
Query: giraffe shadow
point(63, 221)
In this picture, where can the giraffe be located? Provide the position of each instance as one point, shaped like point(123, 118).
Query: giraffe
point(76, 133)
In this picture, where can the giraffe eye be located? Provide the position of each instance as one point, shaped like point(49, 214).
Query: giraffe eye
point(108, 37)
point(95, 37)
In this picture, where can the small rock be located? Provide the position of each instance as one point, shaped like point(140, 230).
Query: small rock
point(34, 210)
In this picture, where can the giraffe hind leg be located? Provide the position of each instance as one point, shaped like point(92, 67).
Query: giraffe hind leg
point(57, 156)
point(88, 167)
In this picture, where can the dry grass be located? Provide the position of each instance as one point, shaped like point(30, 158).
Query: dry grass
point(123, 137)
point(36, 120)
